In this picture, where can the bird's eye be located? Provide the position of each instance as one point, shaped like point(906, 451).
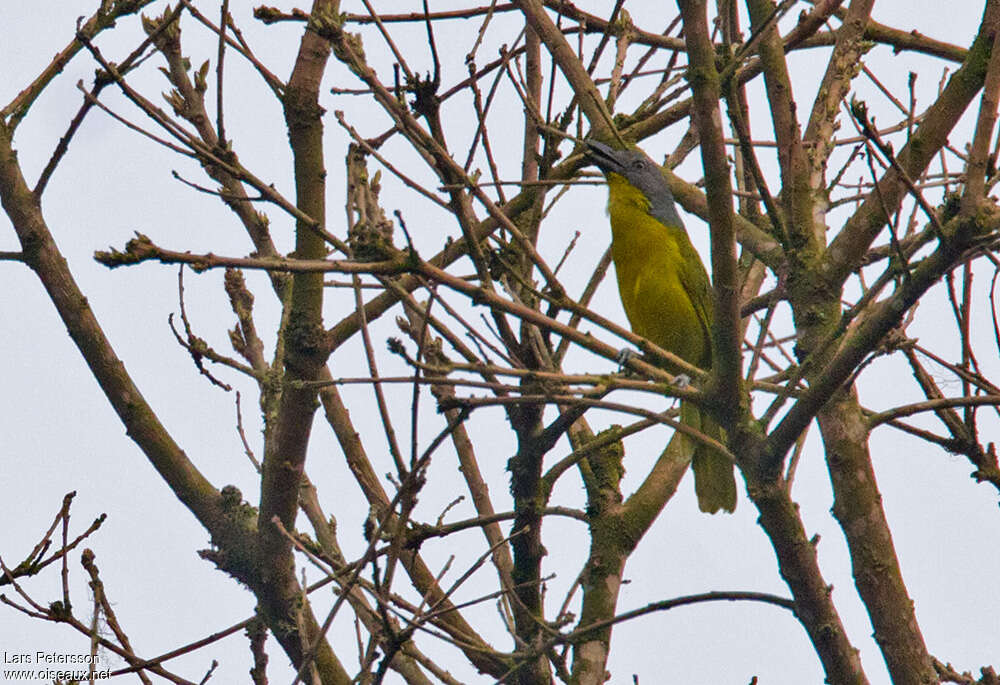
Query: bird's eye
point(639, 164)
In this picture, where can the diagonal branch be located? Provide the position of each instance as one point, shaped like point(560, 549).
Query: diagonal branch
point(848, 249)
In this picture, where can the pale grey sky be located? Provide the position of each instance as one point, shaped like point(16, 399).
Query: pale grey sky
point(57, 432)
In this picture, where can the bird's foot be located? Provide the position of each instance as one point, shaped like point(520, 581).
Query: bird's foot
point(624, 355)
point(682, 381)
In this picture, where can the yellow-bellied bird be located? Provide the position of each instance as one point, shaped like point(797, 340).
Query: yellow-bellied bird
point(666, 293)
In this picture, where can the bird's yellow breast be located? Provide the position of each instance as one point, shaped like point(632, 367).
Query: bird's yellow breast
point(661, 280)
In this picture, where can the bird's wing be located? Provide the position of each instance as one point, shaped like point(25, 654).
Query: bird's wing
point(695, 281)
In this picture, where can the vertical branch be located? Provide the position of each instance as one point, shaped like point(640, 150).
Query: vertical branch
point(781, 99)
point(858, 508)
point(287, 433)
point(802, 227)
point(799, 567)
point(533, 92)
point(976, 169)
point(614, 533)
point(529, 499)
point(779, 518)
point(857, 504)
point(220, 126)
point(707, 118)
point(840, 71)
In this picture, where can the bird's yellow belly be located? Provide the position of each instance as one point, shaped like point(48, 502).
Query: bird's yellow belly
point(649, 263)
point(658, 308)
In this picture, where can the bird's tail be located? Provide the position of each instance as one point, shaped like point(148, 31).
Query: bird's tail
point(714, 478)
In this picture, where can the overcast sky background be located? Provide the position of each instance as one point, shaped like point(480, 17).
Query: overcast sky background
point(57, 432)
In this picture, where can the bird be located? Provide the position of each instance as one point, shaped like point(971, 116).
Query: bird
point(665, 292)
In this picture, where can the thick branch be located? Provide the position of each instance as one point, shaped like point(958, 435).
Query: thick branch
point(707, 118)
point(858, 508)
point(799, 567)
point(142, 425)
point(847, 250)
point(882, 318)
point(287, 433)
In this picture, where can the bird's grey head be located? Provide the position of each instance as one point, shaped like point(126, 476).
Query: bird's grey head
point(639, 170)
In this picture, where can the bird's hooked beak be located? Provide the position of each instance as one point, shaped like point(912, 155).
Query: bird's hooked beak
point(604, 157)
